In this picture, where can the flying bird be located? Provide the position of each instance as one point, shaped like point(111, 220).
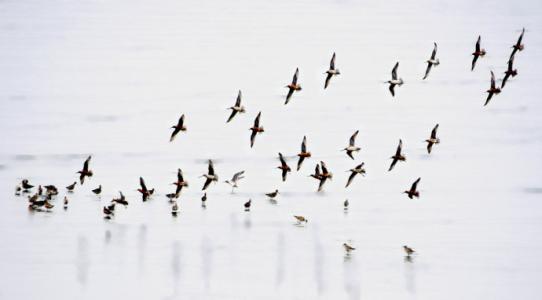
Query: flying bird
point(237, 108)
point(352, 145)
point(210, 176)
point(324, 176)
point(235, 179)
point(398, 155)
point(180, 183)
point(394, 80)
point(509, 72)
point(492, 90)
point(177, 128)
point(255, 129)
point(353, 172)
point(86, 172)
point(284, 167)
point(518, 46)
point(413, 192)
point(433, 139)
point(120, 200)
point(332, 71)
point(317, 175)
point(478, 52)
point(293, 86)
point(303, 154)
point(433, 61)
point(145, 193)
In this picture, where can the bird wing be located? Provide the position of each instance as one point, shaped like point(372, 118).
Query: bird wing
point(294, 80)
point(324, 168)
point(282, 161)
point(434, 132)
point(317, 170)
point(85, 165)
point(353, 138)
point(304, 145)
point(252, 138)
point(284, 174)
point(478, 44)
point(506, 75)
point(328, 78)
point(322, 181)
point(238, 101)
point(211, 168)
point(350, 178)
point(429, 65)
point(206, 184)
point(391, 88)
point(474, 59)
point(394, 71)
point(392, 164)
point(520, 37)
point(429, 147)
point(181, 121)
point(290, 93)
point(434, 53)
point(399, 148)
point(142, 184)
point(332, 63)
point(299, 162)
point(180, 175)
point(415, 184)
point(237, 176)
point(257, 120)
point(492, 80)
point(233, 113)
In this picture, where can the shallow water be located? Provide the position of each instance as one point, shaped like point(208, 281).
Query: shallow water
point(109, 78)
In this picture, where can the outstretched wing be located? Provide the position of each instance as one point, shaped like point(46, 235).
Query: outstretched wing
point(294, 80)
point(304, 144)
point(394, 71)
point(415, 185)
point(353, 138)
point(238, 176)
point(238, 102)
point(233, 113)
point(434, 132)
point(328, 78)
point(180, 175)
point(350, 178)
point(399, 148)
point(478, 44)
point(85, 165)
point(434, 53)
point(211, 169)
point(332, 63)
point(392, 89)
point(257, 120)
point(429, 65)
point(142, 184)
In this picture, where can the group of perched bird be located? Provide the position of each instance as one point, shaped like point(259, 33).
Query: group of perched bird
point(41, 199)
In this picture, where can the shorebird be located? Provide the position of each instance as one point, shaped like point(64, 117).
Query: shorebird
point(97, 190)
point(301, 219)
point(409, 251)
point(355, 171)
point(348, 248)
point(332, 71)
point(247, 205)
point(317, 175)
point(509, 72)
point(273, 194)
point(26, 186)
point(18, 190)
point(40, 190)
point(203, 199)
point(121, 200)
point(210, 176)
point(398, 155)
point(413, 192)
point(51, 190)
point(324, 176)
point(492, 90)
point(145, 193)
point(233, 181)
point(346, 204)
point(433, 61)
point(65, 202)
point(433, 139)
point(177, 128)
point(394, 80)
point(237, 108)
point(303, 154)
point(174, 209)
point(518, 46)
point(478, 52)
point(180, 183)
point(293, 86)
point(172, 196)
point(284, 167)
point(256, 128)
point(48, 205)
point(71, 187)
point(352, 145)
point(86, 172)
point(109, 211)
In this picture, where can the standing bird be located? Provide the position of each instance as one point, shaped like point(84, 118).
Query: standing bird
point(352, 145)
point(332, 71)
point(348, 248)
point(97, 190)
point(65, 202)
point(71, 187)
point(398, 155)
point(492, 90)
point(293, 86)
point(177, 128)
point(247, 205)
point(509, 72)
point(433, 139)
point(478, 52)
point(237, 108)
point(180, 183)
point(210, 176)
point(346, 204)
point(413, 192)
point(26, 186)
point(255, 129)
point(433, 61)
point(284, 167)
point(273, 194)
point(145, 193)
point(236, 177)
point(518, 46)
point(174, 209)
point(203, 200)
point(303, 154)
point(301, 219)
point(86, 172)
point(355, 171)
point(409, 251)
point(394, 80)
point(324, 176)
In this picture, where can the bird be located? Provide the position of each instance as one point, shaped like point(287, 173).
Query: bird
point(247, 205)
point(237, 108)
point(509, 72)
point(433, 139)
point(256, 128)
point(233, 181)
point(398, 155)
point(273, 194)
point(332, 71)
point(353, 172)
point(145, 193)
point(394, 80)
point(433, 61)
point(346, 204)
point(478, 52)
point(51, 190)
point(177, 128)
point(284, 167)
point(109, 211)
point(18, 190)
point(65, 202)
point(180, 183)
point(409, 251)
point(413, 192)
point(492, 90)
point(348, 248)
point(48, 205)
point(71, 187)
point(174, 209)
point(26, 185)
point(301, 219)
point(210, 176)
point(86, 172)
point(518, 46)
point(352, 145)
point(324, 176)
point(121, 200)
point(203, 199)
point(172, 196)
point(97, 190)
point(294, 86)
point(303, 154)
point(317, 175)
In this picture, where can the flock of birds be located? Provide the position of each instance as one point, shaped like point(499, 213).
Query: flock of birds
point(41, 200)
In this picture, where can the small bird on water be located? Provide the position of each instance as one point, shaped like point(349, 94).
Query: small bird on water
point(204, 200)
point(332, 71)
point(174, 209)
point(301, 219)
point(398, 156)
point(409, 251)
point(25, 185)
point(273, 194)
point(247, 205)
point(352, 145)
point(97, 190)
point(413, 192)
point(71, 187)
point(346, 204)
point(65, 202)
point(348, 248)
point(293, 86)
point(237, 108)
point(177, 128)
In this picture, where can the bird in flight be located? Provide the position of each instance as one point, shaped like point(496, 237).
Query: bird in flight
point(355, 171)
point(352, 145)
point(237, 108)
point(394, 80)
point(177, 128)
point(284, 167)
point(433, 61)
point(433, 139)
point(210, 176)
point(86, 172)
point(398, 156)
point(509, 72)
point(413, 192)
point(235, 179)
point(478, 52)
point(303, 154)
point(256, 128)
point(332, 71)
point(294, 86)
point(493, 90)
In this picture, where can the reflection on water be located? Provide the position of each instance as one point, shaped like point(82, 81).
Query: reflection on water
point(319, 261)
point(141, 247)
point(82, 260)
point(281, 248)
point(410, 274)
point(206, 261)
point(351, 277)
